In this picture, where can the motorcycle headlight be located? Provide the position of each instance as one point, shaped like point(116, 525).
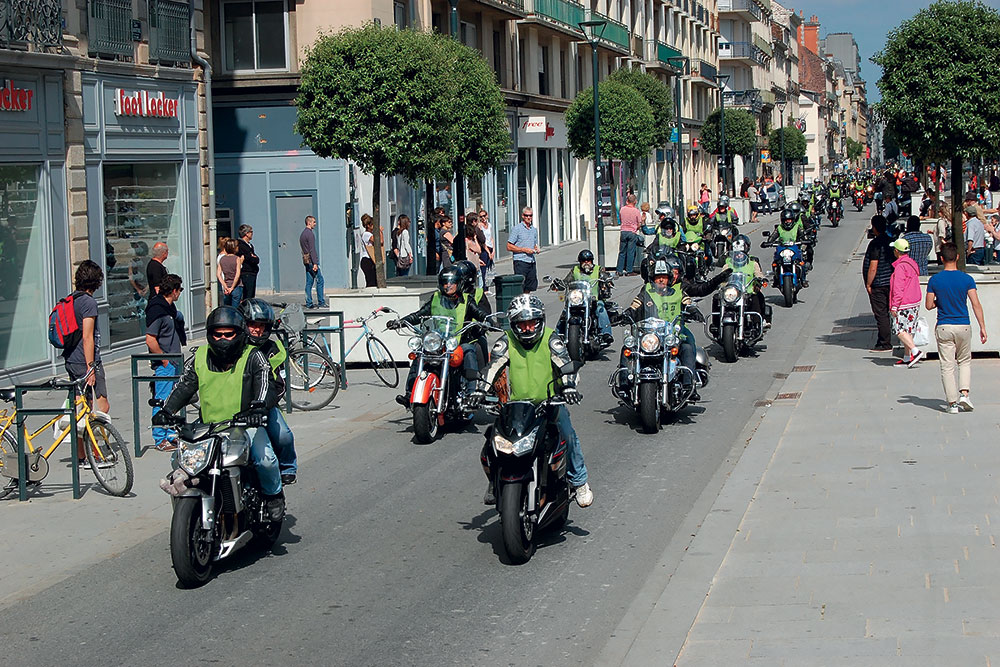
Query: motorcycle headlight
point(650, 343)
point(433, 342)
point(731, 294)
point(451, 344)
point(518, 447)
point(629, 341)
point(575, 297)
point(787, 254)
point(192, 457)
point(414, 343)
point(671, 340)
point(695, 246)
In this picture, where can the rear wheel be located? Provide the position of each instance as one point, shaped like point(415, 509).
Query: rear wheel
point(729, 342)
point(109, 457)
point(574, 342)
point(425, 424)
point(313, 379)
point(787, 291)
point(649, 406)
point(8, 454)
point(516, 524)
point(382, 362)
point(191, 546)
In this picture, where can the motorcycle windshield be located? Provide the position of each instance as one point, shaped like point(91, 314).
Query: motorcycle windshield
point(440, 324)
point(577, 292)
point(739, 280)
point(652, 325)
point(518, 419)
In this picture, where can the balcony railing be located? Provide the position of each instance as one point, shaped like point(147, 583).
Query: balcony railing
point(561, 11)
point(664, 53)
point(736, 50)
point(169, 31)
point(751, 99)
point(764, 45)
point(109, 27)
point(31, 22)
point(614, 32)
point(706, 70)
point(742, 6)
point(516, 5)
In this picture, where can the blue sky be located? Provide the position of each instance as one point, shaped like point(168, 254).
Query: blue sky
point(869, 20)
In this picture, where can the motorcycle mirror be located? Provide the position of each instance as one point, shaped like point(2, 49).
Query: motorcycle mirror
point(546, 279)
point(155, 403)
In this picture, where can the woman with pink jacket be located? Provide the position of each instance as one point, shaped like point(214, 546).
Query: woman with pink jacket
point(904, 300)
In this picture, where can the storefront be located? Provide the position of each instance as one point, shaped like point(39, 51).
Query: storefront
point(141, 149)
point(34, 252)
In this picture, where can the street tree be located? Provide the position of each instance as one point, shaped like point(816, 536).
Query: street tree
point(795, 142)
point(940, 76)
point(855, 149)
point(657, 95)
point(741, 134)
point(627, 126)
point(383, 98)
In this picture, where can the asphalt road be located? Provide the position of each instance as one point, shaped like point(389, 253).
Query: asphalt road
point(389, 557)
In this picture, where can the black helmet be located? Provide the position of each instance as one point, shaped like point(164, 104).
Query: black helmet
point(258, 310)
point(741, 243)
point(467, 273)
point(795, 208)
point(586, 255)
point(663, 262)
point(668, 224)
point(450, 276)
point(226, 351)
point(788, 219)
point(527, 319)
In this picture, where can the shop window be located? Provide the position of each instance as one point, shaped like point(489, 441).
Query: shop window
point(23, 264)
point(255, 33)
point(140, 209)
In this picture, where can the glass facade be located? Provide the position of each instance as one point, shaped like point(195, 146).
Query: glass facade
point(23, 293)
point(140, 209)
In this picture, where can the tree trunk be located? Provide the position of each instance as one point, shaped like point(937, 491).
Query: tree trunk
point(458, 245)
point(430, 238)
point(957, 195)
point(377, 231)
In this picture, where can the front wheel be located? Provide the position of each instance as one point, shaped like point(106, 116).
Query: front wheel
point(729, 342)
point(574, 342)
point(649, 406)
point(425, 424)
point(516, 523)
point(109, 457)
point(191, 546)
point(787, 290)
point(313, 379)
point(382, 362)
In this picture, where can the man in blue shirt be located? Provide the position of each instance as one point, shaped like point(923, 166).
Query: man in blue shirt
point(523, 242)
point(948, 292)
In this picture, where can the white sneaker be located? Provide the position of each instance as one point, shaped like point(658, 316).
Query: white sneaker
point(952, 409)
point(965, 403)
point(584, 496)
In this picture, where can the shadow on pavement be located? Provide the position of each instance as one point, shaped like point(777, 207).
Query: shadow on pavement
point(856, 332)
point(490, 533)
point(935, 404)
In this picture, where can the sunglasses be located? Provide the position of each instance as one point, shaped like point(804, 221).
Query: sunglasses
point(227, 335)
point(527, 215)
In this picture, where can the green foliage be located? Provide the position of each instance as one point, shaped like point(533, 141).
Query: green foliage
point(658, 97)
point(795, 143)
point(890, 146)
point(741, 134)
point(627, 126)
point(855, 149)
point(940, 77)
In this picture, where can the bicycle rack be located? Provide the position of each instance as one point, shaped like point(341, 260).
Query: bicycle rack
point(337, 329)
point(176, 359)
point(70, 411)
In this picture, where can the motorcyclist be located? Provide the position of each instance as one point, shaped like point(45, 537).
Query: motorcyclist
point(667, 234)
point(697, 226)
point(260, 318)
point(587, 270)
point(790, 231)
point(741, 261)
point(835, 193)
point(448, 301)
point(723, 214)
point(468, 274)
point(230, 378)
point(536, 357)
point(663, 297)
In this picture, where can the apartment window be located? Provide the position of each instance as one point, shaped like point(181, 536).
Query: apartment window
point(522, 55)
point(255, 33)
point(400, 14)
point(468, 35)
point(498, 59)
point(562, 74)
point(543, 72)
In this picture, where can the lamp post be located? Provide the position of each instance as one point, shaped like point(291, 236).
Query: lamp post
point(720, 81)
point(593, 36)
point(781, 133)
point(682, 68)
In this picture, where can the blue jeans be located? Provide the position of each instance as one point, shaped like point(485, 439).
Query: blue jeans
point(603, 321)
point(233, 298)
point(977, 256)
point(162, 389)
point(266, 463)
point(627, 249)
point(282, 441)
point(317, 278)
point(576, 469)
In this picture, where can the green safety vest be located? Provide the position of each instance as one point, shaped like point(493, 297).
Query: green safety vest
point(835, 194)
point(668, 241)
point(220, 392)
point(278, 358)
point(747, 270)
point(729, 214)
point(438, 309)
point(478, 295)
point(530, 371)
point(789, 236)
point(591, 277)
point(697, 228)
point(667, 307)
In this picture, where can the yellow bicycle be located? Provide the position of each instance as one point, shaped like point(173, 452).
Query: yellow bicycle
point(107, 452)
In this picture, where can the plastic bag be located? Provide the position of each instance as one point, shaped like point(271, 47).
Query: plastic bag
point(921, 333)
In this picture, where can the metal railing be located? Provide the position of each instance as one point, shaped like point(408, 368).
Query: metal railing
point(736, 50)
point(169, 31)
point(68, 410)
point(139, 378)
point(109, 28)
point(561, 11)
point(706, 70)
point(31, 22)
point(744, 6)
point(615, 32)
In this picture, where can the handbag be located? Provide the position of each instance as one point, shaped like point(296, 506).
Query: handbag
point(922, 333)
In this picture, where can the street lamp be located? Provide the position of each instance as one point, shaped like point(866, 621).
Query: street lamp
point(593, 36)
point(720, 81)
point(781, 133)
point(682, 68)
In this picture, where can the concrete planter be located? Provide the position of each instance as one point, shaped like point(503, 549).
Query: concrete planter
point(742, 208)
point(988, 286)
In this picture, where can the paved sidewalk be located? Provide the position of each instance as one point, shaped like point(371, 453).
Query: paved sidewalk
point(857, 527)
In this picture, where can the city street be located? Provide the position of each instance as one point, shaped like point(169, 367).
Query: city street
point(389, 557)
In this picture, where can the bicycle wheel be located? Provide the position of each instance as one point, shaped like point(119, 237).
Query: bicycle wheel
point(109, 458)
point(314, 379)
point(8, 452)
point(382, 362)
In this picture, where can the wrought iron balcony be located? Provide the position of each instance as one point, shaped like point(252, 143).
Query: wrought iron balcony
point(750, 99)
point(169, 31)
point(34, 23)
point(109, 28)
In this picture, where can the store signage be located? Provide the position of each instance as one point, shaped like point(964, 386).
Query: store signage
point(15, 99)
point(534, 124)
point(542, 132)
point(142, 103)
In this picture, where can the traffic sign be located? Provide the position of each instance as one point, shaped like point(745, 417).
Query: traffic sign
point(674, 136)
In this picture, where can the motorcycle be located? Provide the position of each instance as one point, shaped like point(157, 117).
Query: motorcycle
point(869, 194)
point(735, 325)
point(722, 242)
point(656, 376)
point(579, 318)
point(526, 462)
point(835, 211)
point(693, 257)
point(859, 200)
point(218, 506)
point(787, 269)
point(436, 396)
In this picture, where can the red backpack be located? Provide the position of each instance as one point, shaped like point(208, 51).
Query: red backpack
point(64, 331)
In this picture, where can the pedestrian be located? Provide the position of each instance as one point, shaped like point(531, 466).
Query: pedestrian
point(950, 291)
point(488, 248)
point(447, 243)
point(904, 300)
point(86, 354)
point(402, 250)
point(628, 241)
point(745, 187)
point(920, 244)
point(165, 335)
point(876, 272)
point(155, 271)
point(250, 262)
point(523, 243)
point(704, 199)
point(228, 272)
point(753, 194)
point(368, 248)
point(218, 258)
point(975, 234)
point(310, 259)
point(473, 249)
point(648, 224)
